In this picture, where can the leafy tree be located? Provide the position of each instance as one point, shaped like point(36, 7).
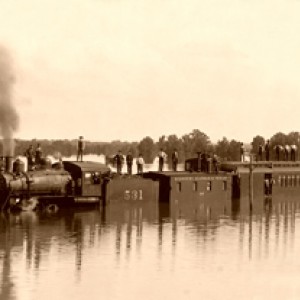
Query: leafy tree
point(228, 150)
point(173, 142)
point(293, 138)
point(147, 148)
point(278, 139)
point(201, 141)
point(187, 146)
point(257, 140)
point(196, 141)
point(161, 144)
point(234, 150)
point(222, 148)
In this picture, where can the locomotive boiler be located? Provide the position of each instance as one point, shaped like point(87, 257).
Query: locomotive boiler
point(20, 188)
point(59, 184)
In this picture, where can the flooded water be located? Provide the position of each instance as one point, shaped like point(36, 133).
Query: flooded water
point(151, 252)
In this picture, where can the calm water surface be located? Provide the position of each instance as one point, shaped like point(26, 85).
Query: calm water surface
point(151, 252)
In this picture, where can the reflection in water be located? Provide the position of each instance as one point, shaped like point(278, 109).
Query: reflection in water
point(7, 286)
point(145, 250)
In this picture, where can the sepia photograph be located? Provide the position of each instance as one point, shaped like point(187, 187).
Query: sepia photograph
point(149, 149)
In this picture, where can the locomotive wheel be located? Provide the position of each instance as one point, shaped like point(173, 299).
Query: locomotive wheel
point(51, 208)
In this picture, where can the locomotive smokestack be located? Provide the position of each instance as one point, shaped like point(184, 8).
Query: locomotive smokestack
point(9, 119)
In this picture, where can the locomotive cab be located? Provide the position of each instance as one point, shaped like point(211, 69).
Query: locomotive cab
point(87, 179)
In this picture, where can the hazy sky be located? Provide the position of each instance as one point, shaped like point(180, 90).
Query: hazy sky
point(125, 69)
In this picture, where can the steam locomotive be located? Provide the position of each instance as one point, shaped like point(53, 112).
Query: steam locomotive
point(48, 184)
point(66, 183)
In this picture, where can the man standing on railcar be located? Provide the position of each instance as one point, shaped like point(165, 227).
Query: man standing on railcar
point(119, 160)
point(129, 161)
point(267, 150)
point(38, 154)
point(140, 164)
point(161, 159)
point(80, 148)
point(293, 152)
point(287, 150)
point(174, 160)
point(277, 152)
point(242, 152)
point(30, 157)
point(260, 152)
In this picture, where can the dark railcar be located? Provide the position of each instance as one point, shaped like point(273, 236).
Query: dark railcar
point(194, 189)
point(131, 190)
point(259, 183)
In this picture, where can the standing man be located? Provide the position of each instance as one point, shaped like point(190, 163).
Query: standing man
point(277, 152)
point(174, 159)
point(293, 152)
point(140, 164)
point(260, 152)
point(38, 154)
point(215, 163)
point(161, 159)
point(80, 148)
point(119, 160)
point(30, 158)
point(129, 161)
point(287, 150)
point(242, 150)
point(267, 150)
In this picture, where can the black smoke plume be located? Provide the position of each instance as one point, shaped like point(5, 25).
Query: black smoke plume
point(9, 119)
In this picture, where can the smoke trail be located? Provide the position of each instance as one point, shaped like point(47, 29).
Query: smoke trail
point(9, 119)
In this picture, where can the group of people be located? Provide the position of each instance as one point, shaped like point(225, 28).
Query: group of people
point(119, 162)
point(208, 163)
point(162, 156)
point(34, 156)
point(286, 152)
point(264, 148)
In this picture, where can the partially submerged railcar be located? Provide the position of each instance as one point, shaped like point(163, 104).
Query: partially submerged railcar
point(259, 183)
point(194, 190)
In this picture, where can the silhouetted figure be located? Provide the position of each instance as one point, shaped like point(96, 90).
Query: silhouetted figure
point(199, 161)
point(215, 163)
point(242, 152)
point(80, 148)
point(129, 161)
point(140, 164)
point(161, 159)
point(293, 152)
point(119, 160)
point(260, 152)
point(204, 162)
point(38, 154)
point(30, 158)
point(267, 150)
point(277, 149)
point(174, 160)
point(287, 150)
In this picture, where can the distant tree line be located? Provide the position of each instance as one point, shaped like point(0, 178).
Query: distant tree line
point(187, 146)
